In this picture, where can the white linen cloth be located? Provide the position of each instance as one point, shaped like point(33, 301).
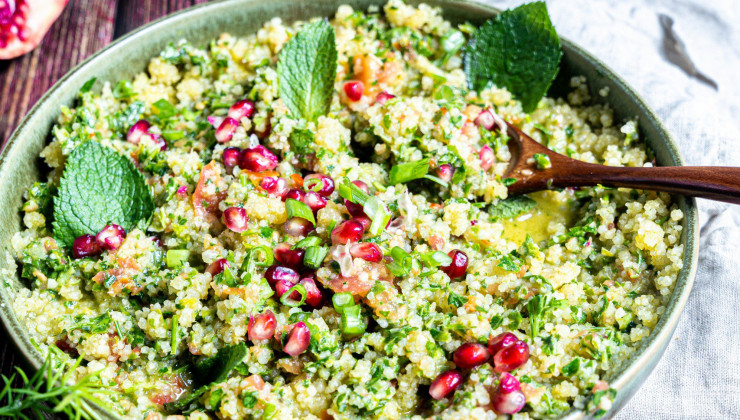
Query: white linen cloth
point(699, 376)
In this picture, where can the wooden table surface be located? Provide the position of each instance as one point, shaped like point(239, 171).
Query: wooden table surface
point(85, 26)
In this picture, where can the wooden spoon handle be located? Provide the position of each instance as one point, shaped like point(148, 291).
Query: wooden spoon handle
point(712, 182)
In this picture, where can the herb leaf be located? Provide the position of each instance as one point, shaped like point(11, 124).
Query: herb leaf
point(410, 171)
point(98, 187)
point(217, 367)
point(307, 68)
point(512, 207)
point(519, 50)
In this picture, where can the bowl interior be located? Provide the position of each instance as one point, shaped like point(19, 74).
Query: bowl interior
point(20, 165)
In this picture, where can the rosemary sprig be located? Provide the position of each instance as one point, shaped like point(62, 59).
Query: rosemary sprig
point(52, 390)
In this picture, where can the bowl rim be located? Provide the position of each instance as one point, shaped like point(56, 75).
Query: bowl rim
point(644, 358)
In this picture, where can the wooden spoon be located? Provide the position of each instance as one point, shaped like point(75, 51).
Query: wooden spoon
point(721, 183)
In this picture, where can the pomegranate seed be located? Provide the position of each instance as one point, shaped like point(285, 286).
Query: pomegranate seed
point(501, 341)
point(347, 231)
point(367, 251)
point(85, 246)
point(295, 194)
point(384, 97)
point(226, 130)
point(257, 159)
point(298, 226)
point(282, 286)
point(231, 157)
point(139, 128)
point(110, 237)
point(485, 119)
point(486, 157)
point(262, 326)
point(277, 187)
point(354, 90)
point(157, 139)
point(363, 186)
point(182, 191)
point(299, 338)
point(445, 384)
point(286, 256)
point(511, 357)
point(445, 172)
point(364, 221)
point(235, 218)
point(241, 109)
point(508, 398)
point(459, 264)
point(354, 209)
point(313, 294)
point(277, 273)
point(217, 267)
point(156, 240)
point(470, 355)
point(315, 201)
point(319, 183)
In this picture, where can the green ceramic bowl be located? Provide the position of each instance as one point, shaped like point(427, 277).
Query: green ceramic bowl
point(20, 164)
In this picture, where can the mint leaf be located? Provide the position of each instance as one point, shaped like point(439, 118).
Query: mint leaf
point(216, 368)
point(410, 171)
point(307, 68)
point(301, 139)
point(98, 187)
point(519, 50)
point(512, 207)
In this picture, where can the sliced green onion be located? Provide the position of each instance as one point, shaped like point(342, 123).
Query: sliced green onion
point(437, 180)
point(353, 193)
point(352, 322)
point(378, 213)
point(314, 256)
point(297, 209)
point(406, 172)
point(436, 259)
point(175, 339)
point(172, 135)
point(286, 300)
point(313, 184)
point(260, 256)
point(402, 262)
point(307, 242)
point(342, 300)
point(176, 257)
point(542, 160)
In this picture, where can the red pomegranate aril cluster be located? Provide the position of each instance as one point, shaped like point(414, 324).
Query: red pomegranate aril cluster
point(353, 90)
point(319, 183)
point(275, 186)
point(262, 326)
point(445, 172)
point(509, 352)
point(458, 266)
point(217, 267)
point(235, 218)
point(85, 246)
point(299, 337)
point(287, 256)
point(508, 397)
point(486, 157)
point(278, 273)
point(445, 384)
point(12, 21)
point(470, 355)
point(225, 131)
point(231, 157)
point(367, 251)
point(241, 109)
point(257, 159)
point(140, 129)
point(298, 226)
point(110, 237)
point(346, 232)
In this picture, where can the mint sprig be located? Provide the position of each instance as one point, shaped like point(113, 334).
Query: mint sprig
point(99, 186)
point(518, 50)
point(307, 68)
point(512, 207)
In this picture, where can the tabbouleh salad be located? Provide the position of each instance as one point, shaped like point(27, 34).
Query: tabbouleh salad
point(312, 222)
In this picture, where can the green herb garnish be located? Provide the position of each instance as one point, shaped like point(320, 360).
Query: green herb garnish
point(307, 68)
point(512, 207)
point(314, 256)
point(296, 208)
point(410, 171)
point(98, 187)
point(519, 50)
point(542, 161)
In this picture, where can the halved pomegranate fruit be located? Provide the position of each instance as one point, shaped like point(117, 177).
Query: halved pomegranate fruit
point(23, 23)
